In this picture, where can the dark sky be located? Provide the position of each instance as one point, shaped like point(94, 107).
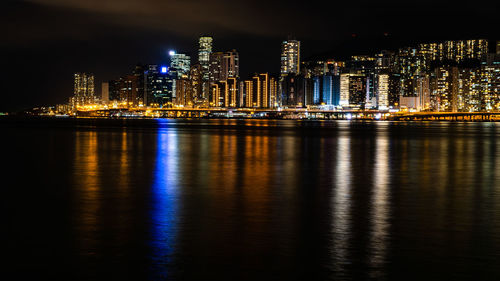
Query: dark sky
point(45, 41)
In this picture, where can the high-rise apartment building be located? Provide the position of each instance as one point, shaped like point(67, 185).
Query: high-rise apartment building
point(383, 91)
point(490, 81)
point(224, 93)
point(84, 89)
point(105, 92)
point(261, 91)
point(444, 96)
point(353, 87)
point(290, 57)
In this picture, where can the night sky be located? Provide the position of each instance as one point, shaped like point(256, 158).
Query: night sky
point(45, 41)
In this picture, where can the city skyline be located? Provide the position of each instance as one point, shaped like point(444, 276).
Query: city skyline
point(389, 77)
point(446, 76)
point(95, 39)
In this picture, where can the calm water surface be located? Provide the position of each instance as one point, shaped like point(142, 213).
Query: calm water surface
point(250, 200)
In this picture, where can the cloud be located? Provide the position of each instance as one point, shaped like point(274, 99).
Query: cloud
point(188, 17)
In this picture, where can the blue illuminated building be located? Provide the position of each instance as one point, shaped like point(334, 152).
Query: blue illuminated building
point(158, 85)
point(327, 89)
point(316, 90)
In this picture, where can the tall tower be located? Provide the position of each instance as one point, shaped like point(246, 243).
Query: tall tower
point(223, 65)
point(204, 51)
point(180, 64)
point(290, 57)
point(84, 91)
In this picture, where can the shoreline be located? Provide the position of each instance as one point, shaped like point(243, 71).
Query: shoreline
point(445, 118)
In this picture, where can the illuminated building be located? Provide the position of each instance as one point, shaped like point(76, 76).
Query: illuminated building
point(423, 92)
point(344, 89)
point(273, 92)
point(326, 90)
point(461, 50)
point(180, 65)
point(224, 93)
point(384, 61)
point(290, 57)
point(490, 80)
point(246, 90)
point(241, 94)
point(128, 90)
point(318, 84)
point(158, 85)
point(353, 88)
point(215, 95)
point(394, 89)
point(498, 47)
point(364, 66)
point(84, 90)
point(105, 92)
point(316, 80)
point(412, 62)
point(224, 65)
point(445, 89)
point(470, 90)
point(383, 91)
point(184, 94)
point(204, 51)
point(261, 91)
point(196, 80)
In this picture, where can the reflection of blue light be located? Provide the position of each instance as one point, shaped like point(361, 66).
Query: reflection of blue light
point(164, 69)
point(164, 205)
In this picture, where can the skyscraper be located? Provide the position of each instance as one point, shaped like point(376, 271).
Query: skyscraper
point(261, 91)
point(180, 65)
point(290, 57)
point(84, 91)
point(383, 91)
point(204, 51)
point(195, 78)
point(445, 89)
point(128, 90)
point(224, 65)
point(105, 92)
point(353, 89)
point(158, 85)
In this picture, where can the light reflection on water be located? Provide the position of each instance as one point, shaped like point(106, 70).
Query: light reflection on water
point(164, 202)
point(341, 206)
point(380, 208)
point(256, 199)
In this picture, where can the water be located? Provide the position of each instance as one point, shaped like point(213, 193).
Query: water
point(250, 200)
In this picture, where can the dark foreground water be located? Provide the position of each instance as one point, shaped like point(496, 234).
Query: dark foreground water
point(250, 200)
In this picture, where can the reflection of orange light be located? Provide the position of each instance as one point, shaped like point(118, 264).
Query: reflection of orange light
point(87, 179)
